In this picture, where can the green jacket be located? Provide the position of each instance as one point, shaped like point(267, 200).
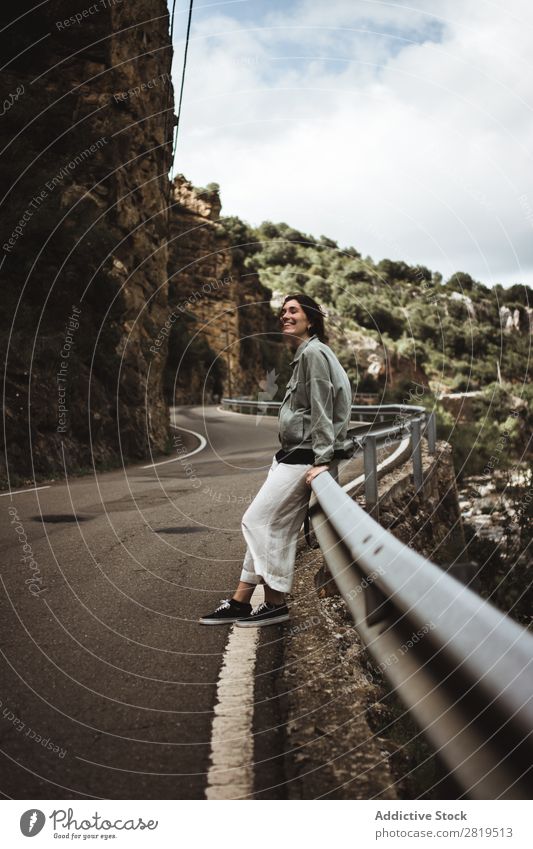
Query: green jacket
point(315, 412)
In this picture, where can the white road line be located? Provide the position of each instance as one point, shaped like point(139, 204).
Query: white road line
point(22, 491)
point(231, 774)
point(203, 443)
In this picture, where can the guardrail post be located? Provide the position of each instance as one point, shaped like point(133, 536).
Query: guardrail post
point(377, 606)
point(416, 452)
point(371, 476)
point(432, 433)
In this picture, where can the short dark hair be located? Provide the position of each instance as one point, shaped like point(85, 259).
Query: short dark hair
point(313, 312)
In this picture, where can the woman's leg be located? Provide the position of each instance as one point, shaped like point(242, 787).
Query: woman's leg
point(270, 527)
point(273, 596)
point(249, 579)
point(244, 592)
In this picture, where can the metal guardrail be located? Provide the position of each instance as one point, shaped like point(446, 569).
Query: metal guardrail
point(410, 421)
point(463, 669)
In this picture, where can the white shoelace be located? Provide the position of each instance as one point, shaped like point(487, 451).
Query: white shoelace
point(262, 607)
point(224, 605)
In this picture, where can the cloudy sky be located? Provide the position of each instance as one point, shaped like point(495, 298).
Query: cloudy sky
point(402, 128)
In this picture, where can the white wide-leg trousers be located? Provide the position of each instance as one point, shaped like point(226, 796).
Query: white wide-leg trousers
point(271, 524)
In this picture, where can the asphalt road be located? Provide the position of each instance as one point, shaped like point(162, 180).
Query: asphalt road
point(108, 682)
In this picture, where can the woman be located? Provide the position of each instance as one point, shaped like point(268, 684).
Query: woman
point(313, 423)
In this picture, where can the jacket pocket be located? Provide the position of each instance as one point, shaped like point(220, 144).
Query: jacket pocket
point(291, 425)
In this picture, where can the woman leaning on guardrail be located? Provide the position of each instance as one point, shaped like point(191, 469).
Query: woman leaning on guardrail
point(313, 423)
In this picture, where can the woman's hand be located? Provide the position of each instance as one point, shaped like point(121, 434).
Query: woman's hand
point(313, 472)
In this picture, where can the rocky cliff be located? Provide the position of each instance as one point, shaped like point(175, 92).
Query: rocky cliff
point(222, 335)
point(123, 293)
point(84, 226)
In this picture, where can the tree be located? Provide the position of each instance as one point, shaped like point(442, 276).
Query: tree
point(327, 243)
point(461, 282)
point(268, 230)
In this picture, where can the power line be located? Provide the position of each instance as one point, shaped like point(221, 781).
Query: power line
point(178, 116)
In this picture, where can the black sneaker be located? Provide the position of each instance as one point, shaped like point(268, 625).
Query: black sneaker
point(227, 612)
point(265, 614)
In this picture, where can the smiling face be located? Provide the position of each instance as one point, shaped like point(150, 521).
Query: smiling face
point(294, 322)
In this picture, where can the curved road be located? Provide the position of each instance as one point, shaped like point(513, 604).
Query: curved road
point(109, 683)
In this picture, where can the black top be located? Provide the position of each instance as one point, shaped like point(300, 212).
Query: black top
point(295, 455)
point(304, 455)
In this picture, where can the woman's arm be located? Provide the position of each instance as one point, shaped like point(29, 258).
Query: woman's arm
point(320, 393)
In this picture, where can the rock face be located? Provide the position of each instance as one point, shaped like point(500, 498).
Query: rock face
point(222, 335)
point(376, 366)
point(84, 230)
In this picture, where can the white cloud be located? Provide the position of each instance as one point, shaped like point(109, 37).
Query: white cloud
point(404, 131)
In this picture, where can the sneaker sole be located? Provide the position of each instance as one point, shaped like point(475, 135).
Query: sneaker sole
point(246, 623)
point(217, 621)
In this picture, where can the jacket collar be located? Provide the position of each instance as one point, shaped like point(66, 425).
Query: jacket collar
point(300, 348)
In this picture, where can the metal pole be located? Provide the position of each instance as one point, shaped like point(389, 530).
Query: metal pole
point(432, 433)
point(371, 476)
point(416, 451)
